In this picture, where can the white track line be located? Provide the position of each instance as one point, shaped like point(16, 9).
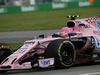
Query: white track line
point(91, 73)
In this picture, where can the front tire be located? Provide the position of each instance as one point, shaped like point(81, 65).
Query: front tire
point(63, 51)
point(5, 51)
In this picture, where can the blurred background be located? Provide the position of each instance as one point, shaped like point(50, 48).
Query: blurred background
point(32, 2)
point(7, 6)
point(20, 18)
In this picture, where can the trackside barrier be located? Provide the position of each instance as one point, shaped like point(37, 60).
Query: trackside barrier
point(48, 6)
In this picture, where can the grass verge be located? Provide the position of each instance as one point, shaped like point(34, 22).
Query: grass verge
point(43, 20)
point(14, 45)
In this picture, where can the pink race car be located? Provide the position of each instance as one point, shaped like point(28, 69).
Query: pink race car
point(76, 43)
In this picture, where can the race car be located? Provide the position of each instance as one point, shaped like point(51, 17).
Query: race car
point(80, 42)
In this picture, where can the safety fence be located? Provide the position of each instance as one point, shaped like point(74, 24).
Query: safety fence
point(48, 6)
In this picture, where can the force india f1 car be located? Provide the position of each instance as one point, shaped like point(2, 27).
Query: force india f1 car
point(81, 44)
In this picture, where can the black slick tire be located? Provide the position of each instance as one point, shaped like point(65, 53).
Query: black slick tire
point(63, 51)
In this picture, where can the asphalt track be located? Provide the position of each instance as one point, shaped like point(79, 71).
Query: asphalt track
point(19, 37)
point(80, 69)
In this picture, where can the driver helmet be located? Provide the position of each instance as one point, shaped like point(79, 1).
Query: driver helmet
point(64, 31)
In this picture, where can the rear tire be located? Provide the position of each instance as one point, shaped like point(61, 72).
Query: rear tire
point(63, 51)
point(5, 51)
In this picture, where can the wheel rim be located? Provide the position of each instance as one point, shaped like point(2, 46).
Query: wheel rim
point(66, 54)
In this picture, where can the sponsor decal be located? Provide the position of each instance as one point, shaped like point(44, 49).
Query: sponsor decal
point(97, 43)
point(91, 20)
point(76, 40)
point(78, 22)
point(19, 52)
point(22, 49)
point(96, 32)
point(29, 42)
point(95, 55)
point(28, 8)
point(98, 23)
point(25, 47)
point(84, 3)
point(88, 26)
point(45, 62)
point(59, 5)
